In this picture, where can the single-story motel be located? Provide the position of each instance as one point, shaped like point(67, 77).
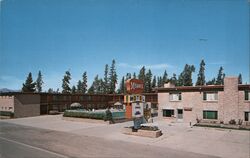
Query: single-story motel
point(217, 103)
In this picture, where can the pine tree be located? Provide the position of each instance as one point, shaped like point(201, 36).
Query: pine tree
point(121, 89)
point(73, 89)
point(165, 77)
point(240, 79)
point(84, 82)
point(96, 87)
point(201, 76)
point(220, 77)
point(154, 82)
point(112, 78)
point(134, 75)
point(185, 78)
point(65, 82)
point(29, 86)
point(173, 79)
point(159, 81)
point(39, 82)
point(79, 86)
point(211, 82)
point(50, 90)
point(105, 80)
point(128, 76)
point(148, 79)
point(142, 76)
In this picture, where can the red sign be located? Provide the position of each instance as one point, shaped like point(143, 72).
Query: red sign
point(134, 86)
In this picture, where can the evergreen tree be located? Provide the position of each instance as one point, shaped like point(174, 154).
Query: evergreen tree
point(29, 86)
point(105, 80)
point(39, 82)
point(185, 78)
point(220, 77)
point(142, 76)
point(128, 76)
point(134, 75)
point(84, 82)
point(154, 82)
point(73, 89)
point(201, 75)
point(240, 79)
point(96, 87)
point(159, 81)
point(121, 89)
point(91, 90)
point(50, 90)
point(165, 77)
point(112, 78)
point(65, 82)
point(173, 79)
point(211, 82)
point(148, 79)
point(79, 86)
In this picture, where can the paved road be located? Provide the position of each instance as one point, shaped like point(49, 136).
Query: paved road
point(22, 141)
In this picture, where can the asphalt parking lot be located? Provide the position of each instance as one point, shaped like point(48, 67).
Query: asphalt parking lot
point(178, 136)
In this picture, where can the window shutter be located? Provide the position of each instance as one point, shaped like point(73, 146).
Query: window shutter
point(204, 96)
point(179, 96)
point(246, 95)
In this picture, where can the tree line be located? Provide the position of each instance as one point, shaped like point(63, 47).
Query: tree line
point(107, 83)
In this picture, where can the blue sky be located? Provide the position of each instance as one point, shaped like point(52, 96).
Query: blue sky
point(83, 35)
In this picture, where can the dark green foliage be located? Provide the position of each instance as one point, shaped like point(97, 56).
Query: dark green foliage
point(164, 77)
point(154, 82)
point(65, 82)
point(147, 82)
point(134, 75)
point(112, 78)
point(73, 89)
point(185, 78)
point(50, 90)
point(84, 82)
point(128, 76)
point(39, 82)
point(220, 77)
point(7, 113)
point(97, 86)
point(173, 79)
point(212, 82)
point(85, 114)
point(201, 75)
point(105, 80)
point(79, 87)
point(121, 89)
point(159, 81)
point(142, 75)
point(240, 79)
point(29, 86)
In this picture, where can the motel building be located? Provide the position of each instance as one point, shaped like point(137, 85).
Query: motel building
point(211, 103)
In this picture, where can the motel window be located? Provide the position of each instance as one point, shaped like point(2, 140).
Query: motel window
point(210, 115)
point(10, 108)
point(247, 95)
point(247, 116)
point(210, 96)
point(175, 96)
point(168, 113)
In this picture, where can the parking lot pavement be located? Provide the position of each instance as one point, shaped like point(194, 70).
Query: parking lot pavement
point(210, 141)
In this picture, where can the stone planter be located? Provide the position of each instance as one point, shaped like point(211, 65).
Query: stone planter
point(142, 133)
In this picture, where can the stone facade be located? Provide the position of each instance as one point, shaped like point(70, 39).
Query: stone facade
point(22, 105)
point(7, 103)
point(230, 103)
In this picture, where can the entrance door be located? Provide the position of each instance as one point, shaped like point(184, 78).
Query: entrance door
point(180, 113)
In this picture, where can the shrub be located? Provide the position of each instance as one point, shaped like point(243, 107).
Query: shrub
point(232, 122)
point(84, 114)
point(6, 113)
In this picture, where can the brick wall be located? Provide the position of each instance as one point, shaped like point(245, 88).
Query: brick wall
point(7, 103)
point(27, 105)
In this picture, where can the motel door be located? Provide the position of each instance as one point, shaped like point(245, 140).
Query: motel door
point(180, 113)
